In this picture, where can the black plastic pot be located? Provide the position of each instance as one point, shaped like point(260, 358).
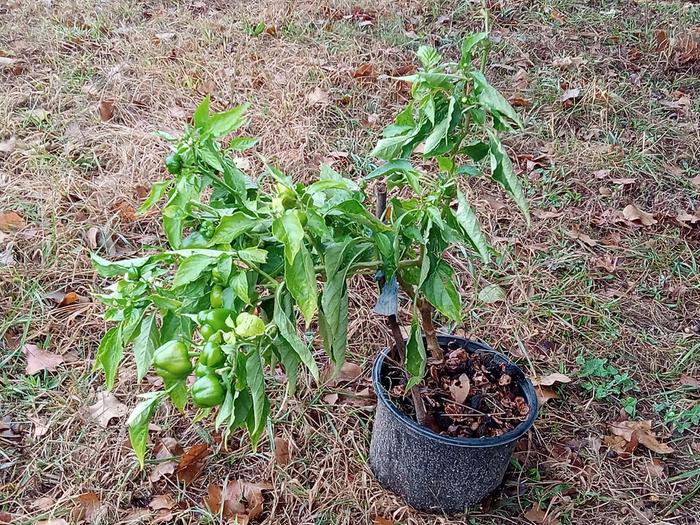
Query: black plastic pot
point(436, 473)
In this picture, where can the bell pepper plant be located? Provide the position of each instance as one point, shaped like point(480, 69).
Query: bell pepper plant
point(250, 258)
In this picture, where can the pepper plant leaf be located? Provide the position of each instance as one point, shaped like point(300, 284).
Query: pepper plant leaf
point(502, 172)
point(470, 226)
point(139, 420)
point(415, 355)
point(145, 344)
point(109, 355)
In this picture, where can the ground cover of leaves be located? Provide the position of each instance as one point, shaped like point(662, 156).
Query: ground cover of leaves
point(598, 300)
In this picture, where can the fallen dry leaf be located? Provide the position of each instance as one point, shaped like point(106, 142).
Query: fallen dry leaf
point(38, 360)
point(601, 174)
point(52, 521)
point(348, 372)
point(107, 408)
point(318, 97)
point(87, 508)
point(642, 431)
point(536, 515)
point(383, 521)
point(689, 381)
point(544, 394)
point(606, 262)
point(570, 94)
point(569, 61)
point(237, 500)
point(625, 181)
point(633, 213)
point(8, 146)
point(41, 426)
point(282, 451)
point(657, 469)
point(10, 221)
point(460, 388)
point(44, 503)
point(543, 214)
point(695, 181)
point(106, 110)
point(162, 501)
point(551, 379)
point(519, 102)
point(575, 234)
point(364, 71)
point(191, 463)
point(166, 450)
point(331, 398)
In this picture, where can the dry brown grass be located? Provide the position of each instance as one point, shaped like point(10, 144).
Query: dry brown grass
point(74, 180)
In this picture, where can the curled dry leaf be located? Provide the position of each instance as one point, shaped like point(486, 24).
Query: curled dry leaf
point(640, 430)
point(237, 500)
point(106, 110)
point(41, 426)
point(551, 379)
point(107, 408)
point(166, 451)
point(191, 463)
point(10, 221)
point(38, 360)
point(544, 394)
point(695, 181)
point(44, 503)
point(633, 213)
point(282, 451)
point(331, 398)
point(624, 181)
point(460, 388)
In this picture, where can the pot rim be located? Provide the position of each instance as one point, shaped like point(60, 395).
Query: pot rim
point(486, 442)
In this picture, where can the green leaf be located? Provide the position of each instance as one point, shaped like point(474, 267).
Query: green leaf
point(415, 355)
point(256, 384)
point(290, 361)
point(139, 420)
point(283, 318)
point(289, 231)
point(439, 133)
point(145, 344)
point(357, 212)
point(390, 147)
point(252, 255)
point(242, 143)
point(132, 321)
point(242, 405)
point(300, 278)
point(239, 283)
point(389, 168)
point(231, 227)
point(111, 268)
point(334, 301)
point(470, 226)
point(492, 294)
point(492, 100)
point(226, 409)
point(201, 114)
point(428, 56)
point(157, 191)
point(177, 391)
point(173, 222)
point(502, 172)
point(191, 268)
point(468, 45)
point(477, 150)
point(221, 124)
point(249, 325)
point(439, 289)
point(109, 355)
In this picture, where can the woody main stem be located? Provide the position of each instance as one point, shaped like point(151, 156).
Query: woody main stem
point(391, 321)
